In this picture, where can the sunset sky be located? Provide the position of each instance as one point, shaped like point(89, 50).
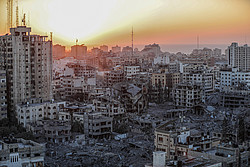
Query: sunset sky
point(97, 22)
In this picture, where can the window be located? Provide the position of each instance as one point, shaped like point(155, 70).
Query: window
point(160, 139)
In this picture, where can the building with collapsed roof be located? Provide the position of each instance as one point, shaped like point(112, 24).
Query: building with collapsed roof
point(133, 97)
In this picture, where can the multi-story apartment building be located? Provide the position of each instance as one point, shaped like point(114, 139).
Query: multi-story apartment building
point(58, 52)
point(172, 141)
point(131, 72)
point(3, 95)
point(187, 95)
point(108, 107)
point(173, 79)
point(239, 56)
point(97, 126)
point(232, 77)
point(79, 51)
point(203, 77)
point(82, 70)
point(72, 85)
point(159, 79)
point(113, 77)
point(20, 153)
point(27, 60)
point(104, 48)
point(234, 98)
point(162, 59)
point(33, 112)
point(116, 49)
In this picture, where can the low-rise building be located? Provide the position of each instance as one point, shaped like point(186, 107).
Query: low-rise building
point(54, 131)
point(97, 125)
point(21, 153)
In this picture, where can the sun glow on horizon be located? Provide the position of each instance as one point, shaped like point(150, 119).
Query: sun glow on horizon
point(96, 22)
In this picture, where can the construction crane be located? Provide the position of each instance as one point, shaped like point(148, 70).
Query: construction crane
point(17, 14)
point(9, 14)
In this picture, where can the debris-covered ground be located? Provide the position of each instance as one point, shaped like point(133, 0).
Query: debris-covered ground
point(136, 151)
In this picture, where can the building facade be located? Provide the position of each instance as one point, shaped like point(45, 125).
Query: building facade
point(21, 153)
point(239, 56)
point(3, 95)
point(27, 60)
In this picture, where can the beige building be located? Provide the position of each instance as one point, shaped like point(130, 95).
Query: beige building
point(58, 52)
point(172, 141)
point(159, 79)
point(79, 51)
point(27, 60)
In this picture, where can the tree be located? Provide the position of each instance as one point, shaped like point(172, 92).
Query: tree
point(225, 128)
point(241, 130)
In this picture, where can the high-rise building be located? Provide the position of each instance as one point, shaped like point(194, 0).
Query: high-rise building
point(104, 48)
point(79, 51)
point(116, 49)
point(239, 56)
point(27, 60)
point(58, 52)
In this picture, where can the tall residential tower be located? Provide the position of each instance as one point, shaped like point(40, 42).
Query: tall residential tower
point(27, 60)
point(239, 56)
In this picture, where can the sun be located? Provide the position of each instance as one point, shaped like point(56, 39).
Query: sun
point(72, 19)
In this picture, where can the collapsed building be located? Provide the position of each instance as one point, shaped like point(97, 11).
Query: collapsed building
point(54, 131)
point(133, 97)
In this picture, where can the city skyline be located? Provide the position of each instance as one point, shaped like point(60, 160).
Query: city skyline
point(164, 22)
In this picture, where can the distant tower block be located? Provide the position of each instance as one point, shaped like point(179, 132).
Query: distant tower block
point(132, 42)
point(198, 42)
point(159, 159)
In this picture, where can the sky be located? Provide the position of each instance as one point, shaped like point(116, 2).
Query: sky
point(168, 22)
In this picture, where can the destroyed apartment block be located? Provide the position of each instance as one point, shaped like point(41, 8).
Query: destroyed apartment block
point(133, 97)
point(96, 125)
point(54, 131)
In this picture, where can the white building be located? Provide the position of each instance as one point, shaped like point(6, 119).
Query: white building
point(131, 71)
point(233, 77)
point(162, 59)
point(239, 56)
point(33, 112)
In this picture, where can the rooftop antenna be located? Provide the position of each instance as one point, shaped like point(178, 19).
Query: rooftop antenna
point(24, 19)
point(132, 41)
point(28, 24)
point(51, 35)
point(9, 14)
point(198, 42)
point(76, 47)
point(17, 14)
